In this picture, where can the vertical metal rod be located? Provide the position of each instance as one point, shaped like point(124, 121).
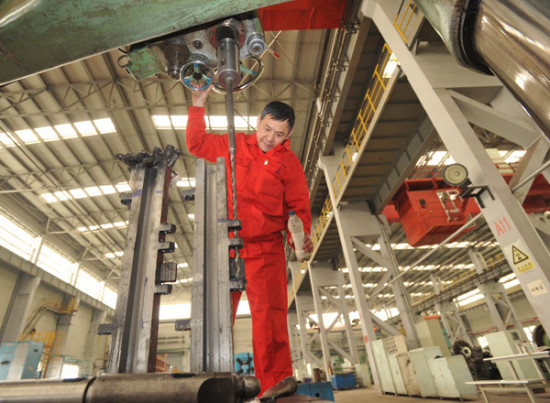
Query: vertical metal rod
point(232, 150)
point(232, 147)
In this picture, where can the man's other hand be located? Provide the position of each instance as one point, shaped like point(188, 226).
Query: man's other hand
point(308, 243)
point(199, 97)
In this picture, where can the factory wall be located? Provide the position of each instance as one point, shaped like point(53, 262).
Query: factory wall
point(75, 346)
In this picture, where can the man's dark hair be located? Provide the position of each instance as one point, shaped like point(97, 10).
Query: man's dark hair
point(279, 111)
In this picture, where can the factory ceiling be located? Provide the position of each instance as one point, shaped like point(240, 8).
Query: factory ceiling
point(61, 129)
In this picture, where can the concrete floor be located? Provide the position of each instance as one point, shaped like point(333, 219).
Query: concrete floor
point(372, 395)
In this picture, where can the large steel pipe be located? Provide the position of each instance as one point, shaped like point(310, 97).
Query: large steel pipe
point(509, 38)
point(135, 388)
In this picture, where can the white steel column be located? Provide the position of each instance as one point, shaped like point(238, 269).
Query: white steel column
point(500, 307)
point(323, 275)
point(301, 316)
point(320, 320)
point(352, 219)
point(453, 322)
point(91, 347)
point(524, 250)
point(402, 298)
point(19, 308)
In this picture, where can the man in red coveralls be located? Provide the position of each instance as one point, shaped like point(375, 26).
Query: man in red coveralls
point(270, 182)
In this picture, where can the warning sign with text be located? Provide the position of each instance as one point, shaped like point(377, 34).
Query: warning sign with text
point(518, 254)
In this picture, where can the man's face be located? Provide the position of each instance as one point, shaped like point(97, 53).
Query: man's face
point(271, 132)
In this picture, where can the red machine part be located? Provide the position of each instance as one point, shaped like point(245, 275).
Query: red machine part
point(302, 15)
point(430, 210)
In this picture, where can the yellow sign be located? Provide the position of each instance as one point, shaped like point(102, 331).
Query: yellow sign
point(518, 256)
point(517, 253)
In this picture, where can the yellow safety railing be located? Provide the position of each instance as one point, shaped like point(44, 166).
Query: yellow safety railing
point(403, 19)
point(322, 222)
point(382, 73)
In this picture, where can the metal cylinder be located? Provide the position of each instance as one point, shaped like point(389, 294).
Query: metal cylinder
point(136, 388)
point(513, 39)
point(176, 54)
point(228, 63)
point(227, 52)
point(256, 44)
point(44, 391)
point(510, 38)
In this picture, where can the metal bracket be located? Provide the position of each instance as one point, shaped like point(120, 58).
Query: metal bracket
point(476, 191)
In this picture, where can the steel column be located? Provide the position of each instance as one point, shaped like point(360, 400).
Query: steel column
point(402, 298)
point(320, 321)
point(19, 307)
point(352, 219)
point(500, 307)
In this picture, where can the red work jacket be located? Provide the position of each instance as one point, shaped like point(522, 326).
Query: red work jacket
point(268, 184)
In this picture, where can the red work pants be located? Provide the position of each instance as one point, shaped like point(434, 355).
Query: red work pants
point(266, 289)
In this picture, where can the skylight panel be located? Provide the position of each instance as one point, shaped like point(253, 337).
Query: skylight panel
point(179, 121)
point(437, 157)
point(105, 125)
point(109, 297)
point(391, 65)
point(186, 183)
point(86, 128)
point(107, 225)
point(6, 140)
point(218, 122)
point(66, 131)
point(62, 195)
point(107, 189)
point(49, 197)
point(93, 191)
point(47, 133)
point(515, 156)
point(123, 187)
point(191, 216)
point(162, 121)
point(78, 193)
point(27, 136)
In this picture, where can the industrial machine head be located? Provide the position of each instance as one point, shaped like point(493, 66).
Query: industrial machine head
point(224, 54)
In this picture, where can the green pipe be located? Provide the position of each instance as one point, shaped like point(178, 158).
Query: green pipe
point(36, 35)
